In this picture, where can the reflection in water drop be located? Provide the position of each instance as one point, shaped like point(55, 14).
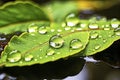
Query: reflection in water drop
point(97, 47)
point(94, 35)
point(32, 28)
point(93, 26)
point(28, 57)
point(14, 56)
point(56, 41)
point(115, 23)
point(42, 30)
point(50, 52)
point(117, 32)
point(76, 44)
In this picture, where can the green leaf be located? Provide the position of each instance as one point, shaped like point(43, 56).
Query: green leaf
point(102, 34)
point(43, 44)
point(57, 11)
point(14, 13)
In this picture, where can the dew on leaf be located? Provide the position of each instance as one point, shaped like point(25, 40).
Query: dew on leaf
point(28, 57)
point(56, 41)
point(32, 28)
point(67, 28)
point(42, 30)
point(107, 27)
point(82, 25)
point(72, 20)
point(97, 47)
point(94, 35)
point(76, 44)
point(14, 56)
point(59, 30)
point(93, 26)
point(117, 31)
point(115, 23)
point(50, 52)
point(52, 30)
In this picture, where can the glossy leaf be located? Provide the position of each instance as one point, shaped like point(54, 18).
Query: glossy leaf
point(36, 47)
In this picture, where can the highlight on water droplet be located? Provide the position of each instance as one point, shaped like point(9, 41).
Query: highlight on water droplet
point(107, 27)
point(94, 35)
point(50, 52)
point(28, 57)
point(67, 28)
point(56, 41)
point(76, 44)
point(93, 26)
point(72, 20)
point(115, 23)
point(117, 31)
point(42, 30)
point(97, 47)
point(32, 28)
point(14, 56)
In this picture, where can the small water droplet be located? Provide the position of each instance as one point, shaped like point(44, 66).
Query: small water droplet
point(52, 30)
point(32, 28)
point(59, 30)
point(42, 30)
point(50, 52)
point(76, 44)
point(104, 40)
point(40, 57)
point(94, 35)
point(93, 26)
point(79, 29)
point(82, 25)
point(67, 28)
point(14, 56)
point(28, 57)
point(115, 23)
point(63, 24)
point(107, 27)
point(56, 41)
point(72, 20)
point(97, 47)
point(117, 31)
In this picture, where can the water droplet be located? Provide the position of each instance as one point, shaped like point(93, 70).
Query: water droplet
point(59, 30)
point(28, 57)
point(72, 20)
point(32, 28)
point(82, 25)
point(67, 28)
point(50, 52)
point(52, 30)
point(104, 40)
point(63, 24)
point(107, 27)
point(94, 35)
point(42, 30)
point(93, 26)
point(56, 41)
point(115, 23)
point(117, 31)
point(97, 47)
point(14, 56)
point(76, 44)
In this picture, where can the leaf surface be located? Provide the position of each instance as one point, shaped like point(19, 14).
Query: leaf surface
point(35, 47)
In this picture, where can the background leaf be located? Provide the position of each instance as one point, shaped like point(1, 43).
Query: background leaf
point(14, 13)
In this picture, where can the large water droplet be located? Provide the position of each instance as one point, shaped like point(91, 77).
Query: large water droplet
point(28, 57)
point(14, 56)
point(56, 41)
point(42, 30)
point(32, 28)
point(50, 52)
point(93, 26)
point(117, 31)
point(72, 20)
point(94, 35)
point(115, 23)
point(76, 44)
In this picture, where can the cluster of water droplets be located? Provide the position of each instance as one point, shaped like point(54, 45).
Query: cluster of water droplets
point(35, 28)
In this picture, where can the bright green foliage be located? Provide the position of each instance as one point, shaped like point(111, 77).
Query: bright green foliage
point(45, 41)
point(20, 12)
